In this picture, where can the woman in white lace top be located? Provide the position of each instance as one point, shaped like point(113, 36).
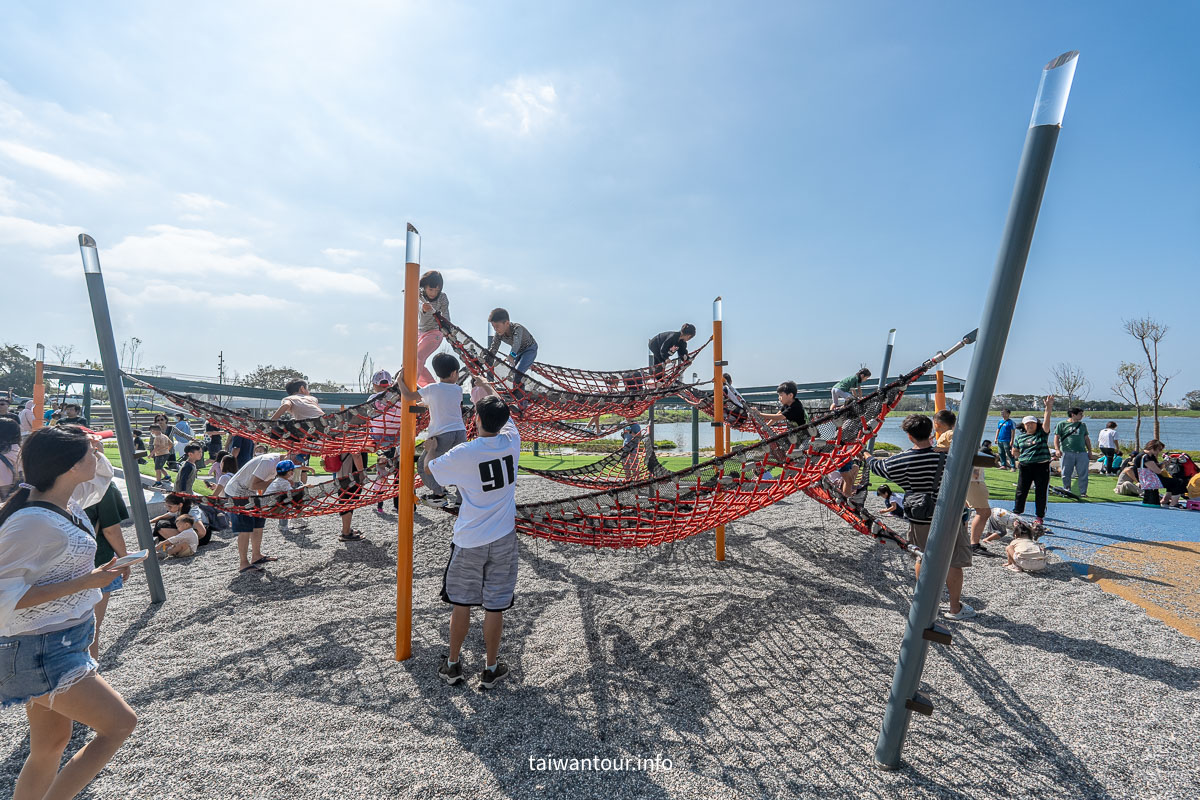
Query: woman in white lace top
point(48, 586)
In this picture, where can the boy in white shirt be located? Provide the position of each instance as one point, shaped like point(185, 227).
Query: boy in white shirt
point(446, 429)
point(482, 570)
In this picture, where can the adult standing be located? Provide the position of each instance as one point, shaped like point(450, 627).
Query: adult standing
point(241, 448)
point(1031, 448)
point(10, 450)
point(1073, 446)
point(1109, 446)
point(182, 433)
point(50, 585)
point(251, 480)
point(25, 417)
point(1004, 437)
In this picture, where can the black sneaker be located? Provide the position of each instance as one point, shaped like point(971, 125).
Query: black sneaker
point(978, 548)
point(490, 677)
point(449, 674)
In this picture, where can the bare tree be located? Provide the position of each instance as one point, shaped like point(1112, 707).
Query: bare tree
point(1149, 332)
point(1127, 387)
point(130, 346)
point(1068, 380)
point(366, 372)
point(62, 352)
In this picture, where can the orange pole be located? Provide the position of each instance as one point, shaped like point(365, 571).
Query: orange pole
point(405, 452)
point(939, 397)
point(718, 407)
point(39, 387)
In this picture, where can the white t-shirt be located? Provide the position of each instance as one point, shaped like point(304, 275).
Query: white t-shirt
point(304, 406)
point(485, 472)
point(444, 401)
point(261, 467)
point(1108, 438)
point(280, 484)
point(224, 480)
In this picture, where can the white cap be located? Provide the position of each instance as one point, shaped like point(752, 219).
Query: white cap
point(1029, 419)
point(382, 378)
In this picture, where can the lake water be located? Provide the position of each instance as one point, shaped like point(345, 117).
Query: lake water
point(1179, 433)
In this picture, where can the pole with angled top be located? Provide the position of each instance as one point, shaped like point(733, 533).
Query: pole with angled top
point(120, 412)
point(39, 386)
point(406, 450)
point(887, 364)
point(1032, 173)
point(718, 406)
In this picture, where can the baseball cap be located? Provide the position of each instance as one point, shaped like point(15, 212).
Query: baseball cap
point(284, 466)
point(382, 378)
point(1029, 419)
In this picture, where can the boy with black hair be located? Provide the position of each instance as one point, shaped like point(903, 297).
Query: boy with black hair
point(446, 429)
point(848, 389)
point(299, 402)
point(668, 342)
point(524, 346)
point(482, 570)
point(918, 470)
point(789, 407)
point(192, 453)
point(160, 451)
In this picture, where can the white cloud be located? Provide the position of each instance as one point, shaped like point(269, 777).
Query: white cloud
point(520, 106)
point(15, 230)
point(62, 168)
point(340, 256)
point(198, 203)
point(166, 294)
point(459, 274)
point(394, 242)
point(341, 329)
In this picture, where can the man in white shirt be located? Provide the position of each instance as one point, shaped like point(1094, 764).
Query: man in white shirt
point(251, 480)
point(446, 429)
point(482, 570)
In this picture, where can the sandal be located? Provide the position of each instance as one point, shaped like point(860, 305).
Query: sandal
point(262, 560)
point(352, 536)
point(251, 568)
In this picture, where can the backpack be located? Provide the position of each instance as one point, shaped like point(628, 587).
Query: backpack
point(1029, 555)
point(332, 463)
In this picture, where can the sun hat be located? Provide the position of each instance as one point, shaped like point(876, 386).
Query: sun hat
point(382, 378)
point(284, 466)
point(1029, 419)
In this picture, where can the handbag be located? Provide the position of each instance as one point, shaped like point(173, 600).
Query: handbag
point(919, 506)
point(1148, 481)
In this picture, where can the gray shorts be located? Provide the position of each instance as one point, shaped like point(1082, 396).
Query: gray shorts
point(482, 576)
point(918, 532)
point(436, 446)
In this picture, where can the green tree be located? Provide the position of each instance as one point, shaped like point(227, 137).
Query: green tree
point(326, 386)
point(16, 370)
point(1192, 399)
point(271, 377)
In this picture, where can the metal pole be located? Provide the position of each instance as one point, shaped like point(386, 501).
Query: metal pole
point(695, 428)
point(87, 401)
point(650, 412)
point(718, 407)
point(120, 412)
point(1032, 173)
point(939, 394)
point(39, 386)
point(406, 450)
point(887, 364)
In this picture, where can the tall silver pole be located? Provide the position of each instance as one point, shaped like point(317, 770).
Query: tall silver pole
point(1032, 173)
point(120, 412)
point(887, 364)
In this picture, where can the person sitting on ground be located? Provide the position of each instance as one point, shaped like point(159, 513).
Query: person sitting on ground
point(178, 506)
point(429, 334)
point(73, 415)
point(848, 389)
point(1024, 553)
point(184, 542)
point(1127, 480)
point(160, 451)
point(182, 433)
point(789, 407)
point(1031, 449)
point(1073, 447)
point(1152, 477)
point(249, 481)
point(189, 467)
point(893, 502)
point(10, 450)
point(517, 336)
point(1110, 447)
point(446, 429)
point(1004, 436)
point(668, 342)
point(482, 570)
point(918, 471)
point(977, 491)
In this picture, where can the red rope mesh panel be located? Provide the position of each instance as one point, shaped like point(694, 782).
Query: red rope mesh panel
point(540, 402)
point(736, 417)
point(588, 381)
point(633, 463)
point(718, 490)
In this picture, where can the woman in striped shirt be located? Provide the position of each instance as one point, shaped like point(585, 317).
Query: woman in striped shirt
point(1031, 449)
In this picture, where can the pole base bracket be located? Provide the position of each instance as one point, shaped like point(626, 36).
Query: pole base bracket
point(920, 704)
point(936, 633)
point(720, 363)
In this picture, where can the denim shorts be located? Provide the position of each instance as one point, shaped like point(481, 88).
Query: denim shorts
point(117, 583)
point(45, 663)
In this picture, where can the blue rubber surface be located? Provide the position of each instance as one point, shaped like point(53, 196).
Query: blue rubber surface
point(1078, 530)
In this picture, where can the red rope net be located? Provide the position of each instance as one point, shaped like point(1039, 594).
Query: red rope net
point(609, 382)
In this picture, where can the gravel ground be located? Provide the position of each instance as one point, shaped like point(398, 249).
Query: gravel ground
point(764, 676)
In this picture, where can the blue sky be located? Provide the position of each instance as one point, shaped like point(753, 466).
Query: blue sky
point(601, 170)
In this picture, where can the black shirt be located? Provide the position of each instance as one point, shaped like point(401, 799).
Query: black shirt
point(660, 346)
point(245, 447)
point(75, 421)
point(794, 413)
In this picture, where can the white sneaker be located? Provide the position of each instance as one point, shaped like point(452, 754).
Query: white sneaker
point(966, 612)
point(434, 501)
